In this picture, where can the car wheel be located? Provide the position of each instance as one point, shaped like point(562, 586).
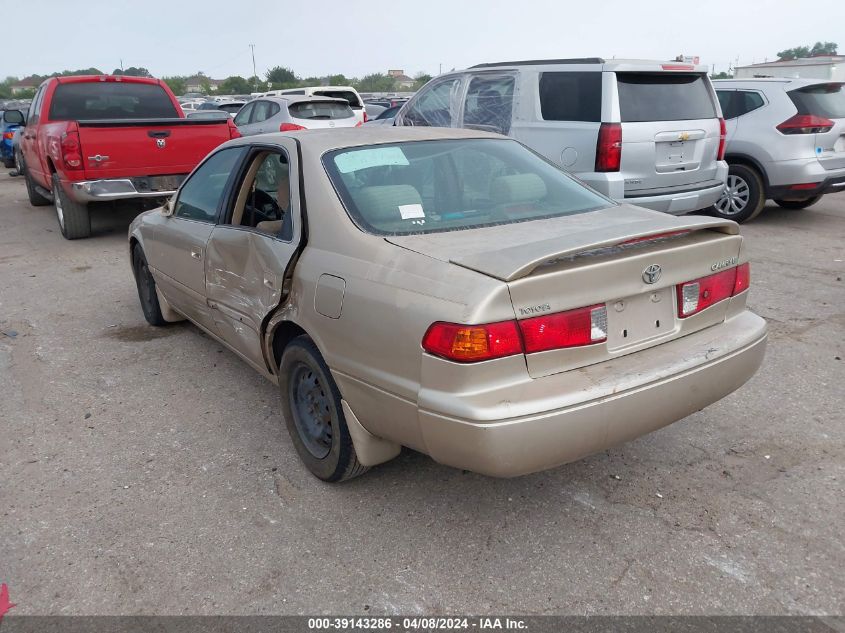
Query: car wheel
point(74, 217)
point(19, 162)
point(798, 204)
point(313, 413)
point(35, 198)
point(743, 197)
point(146, 288)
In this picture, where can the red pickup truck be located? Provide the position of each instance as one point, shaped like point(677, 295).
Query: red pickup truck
point(102, 137)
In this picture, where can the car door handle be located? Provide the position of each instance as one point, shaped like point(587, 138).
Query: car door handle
point(196, 253)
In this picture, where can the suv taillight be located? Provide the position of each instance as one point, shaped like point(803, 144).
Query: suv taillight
point(805, 124)
point(290, 127)
point(699, 294)
point(609, 147)
point(723, 135)
point(70, 150)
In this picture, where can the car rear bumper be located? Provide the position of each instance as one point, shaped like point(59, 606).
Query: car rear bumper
point(116, 189)
point(831, 184)
point(602, 405)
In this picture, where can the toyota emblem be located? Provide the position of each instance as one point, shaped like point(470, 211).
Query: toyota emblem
point(652, 274)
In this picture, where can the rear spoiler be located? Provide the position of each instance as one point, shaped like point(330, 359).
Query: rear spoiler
point(514, 262)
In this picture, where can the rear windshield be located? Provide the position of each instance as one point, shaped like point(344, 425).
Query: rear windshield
point(826, 100)
point(348, 95)
point(448, 185)
point(231, 107)
point(317, 110)
point(110, 100)
point(664, 97)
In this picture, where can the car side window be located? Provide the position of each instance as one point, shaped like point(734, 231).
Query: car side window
point(435, 107)
point(200, 196)
point(726, 102)
point(748, 101)
point(264, 198)
point(489, 104)
point(242, 117)
point(261, 112)
point(570, 96)
point(35, 107)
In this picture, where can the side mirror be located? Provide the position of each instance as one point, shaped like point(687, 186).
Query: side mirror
point(14, 117)
point(169, 207)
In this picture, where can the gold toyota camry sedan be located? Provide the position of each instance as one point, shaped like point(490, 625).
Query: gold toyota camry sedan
point(450, 291)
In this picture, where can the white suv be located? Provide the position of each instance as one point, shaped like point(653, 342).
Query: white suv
point(786, 142)
point(648, 133)
point(333, 92)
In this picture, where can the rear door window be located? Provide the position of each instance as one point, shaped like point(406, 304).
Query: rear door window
point(664, 97)
point(262, 112)
point(489, 104)
point(110, 100)
point(320, 110)
point(435, 106)
point(242, 117)
point(569, 96)
point(827, 100)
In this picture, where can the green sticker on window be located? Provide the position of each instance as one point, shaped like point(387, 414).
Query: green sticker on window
point(365, 158)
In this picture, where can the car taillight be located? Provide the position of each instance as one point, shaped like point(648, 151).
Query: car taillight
point(472, 343)
point(573, 328)
point(70, 150)
point(805, 124)
point(609, 147)
point(699, 294)
point(723, 136)
point(366, 118)
point(290, 127)
point(234, 132)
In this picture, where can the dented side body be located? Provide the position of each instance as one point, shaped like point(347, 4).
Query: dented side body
point(511, 415)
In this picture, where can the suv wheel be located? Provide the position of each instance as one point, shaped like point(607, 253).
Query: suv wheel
point(74, 218)
point(798, 204)
point(743, 198)
point(311, 405)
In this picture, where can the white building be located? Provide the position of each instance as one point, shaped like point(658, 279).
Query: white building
point(825, 67)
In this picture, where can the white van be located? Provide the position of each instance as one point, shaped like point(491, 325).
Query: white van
point(648, 133)
point(335, 92)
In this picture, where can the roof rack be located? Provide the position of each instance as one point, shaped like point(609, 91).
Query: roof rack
point(541, 62)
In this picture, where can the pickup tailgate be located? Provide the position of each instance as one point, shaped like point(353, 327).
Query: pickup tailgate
point(147, 147)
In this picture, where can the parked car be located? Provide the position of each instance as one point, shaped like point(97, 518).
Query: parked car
point(373, 110)
point(456, 294)
point(387, 116)
point(100, 137)
point(230, 107)
point(348, 93)
point(10, 120)
point(274, 114)
point(648, 133)
point(785, 142)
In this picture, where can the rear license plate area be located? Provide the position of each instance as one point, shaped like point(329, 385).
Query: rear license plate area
point(633, 320)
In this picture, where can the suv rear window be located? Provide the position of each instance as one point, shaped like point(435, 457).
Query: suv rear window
point(570, 96)
point(320, 110)
point(826, 100)
point(348, 95)
point(110, 100)
point(664, 97)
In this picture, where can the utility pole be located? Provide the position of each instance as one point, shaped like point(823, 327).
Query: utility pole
point(254, 73)
point(121, 65)
point(440, 70)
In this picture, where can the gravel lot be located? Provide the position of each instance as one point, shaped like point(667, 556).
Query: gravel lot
point(147, 470)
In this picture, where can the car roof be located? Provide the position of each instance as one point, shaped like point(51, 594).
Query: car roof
point(324, 140)
point(627, 65)
point(791, 81)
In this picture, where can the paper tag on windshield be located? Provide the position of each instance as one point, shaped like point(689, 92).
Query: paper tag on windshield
point(411, 211)
point(356, 160)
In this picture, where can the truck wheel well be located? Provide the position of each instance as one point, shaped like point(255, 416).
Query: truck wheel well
point(284, 334)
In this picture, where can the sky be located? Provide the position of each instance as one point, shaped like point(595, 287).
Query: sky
point(317, 38)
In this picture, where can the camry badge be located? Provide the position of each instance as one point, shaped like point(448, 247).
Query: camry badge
point(161, 143)
point(652, 274)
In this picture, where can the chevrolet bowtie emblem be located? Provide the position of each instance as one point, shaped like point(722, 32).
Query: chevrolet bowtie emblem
point(683, 136)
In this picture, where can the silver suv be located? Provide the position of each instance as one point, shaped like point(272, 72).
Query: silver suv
point(786, 142)
point(648, 133)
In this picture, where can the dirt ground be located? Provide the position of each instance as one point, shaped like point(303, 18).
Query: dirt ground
point(148, 470)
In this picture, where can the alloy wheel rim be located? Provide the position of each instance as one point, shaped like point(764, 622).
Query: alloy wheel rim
point(57, 202)
point(735, 196)
point(311, 410)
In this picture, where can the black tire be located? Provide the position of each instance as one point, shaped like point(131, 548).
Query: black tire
point(35, 198)
point(313, 413)
point(798, 204)
point(146, 288)
point(744, 196)
point(74, 217)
